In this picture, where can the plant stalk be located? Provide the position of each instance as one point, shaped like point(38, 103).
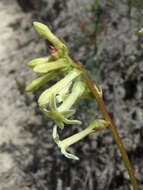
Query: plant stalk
point(112, 129)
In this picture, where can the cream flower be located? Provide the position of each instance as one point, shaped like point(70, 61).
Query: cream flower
point(64, 144)
point(63, 112)
point(45, 96)
point(57, 101)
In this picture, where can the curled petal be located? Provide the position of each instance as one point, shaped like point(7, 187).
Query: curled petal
point(55, 135)
point(68, 155)
point(71, 122)
point(59, 143)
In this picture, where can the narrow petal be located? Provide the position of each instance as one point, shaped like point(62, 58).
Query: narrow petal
point(71, 122)
point(68, 113)
point(68, 155)
point(48, 113)
point(60, 124)
point(55, 135)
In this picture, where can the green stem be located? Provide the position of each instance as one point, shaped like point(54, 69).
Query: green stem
point(112, 126)
point(112, 129)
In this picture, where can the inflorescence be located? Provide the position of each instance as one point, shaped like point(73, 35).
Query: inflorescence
point(58, 100)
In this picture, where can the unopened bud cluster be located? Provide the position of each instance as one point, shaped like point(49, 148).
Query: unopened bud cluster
point(64, 92)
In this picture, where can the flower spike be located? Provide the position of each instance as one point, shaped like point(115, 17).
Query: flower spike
point(57, 101)
point(71, 71)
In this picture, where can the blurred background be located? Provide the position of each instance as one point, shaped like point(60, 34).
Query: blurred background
point(103, 35)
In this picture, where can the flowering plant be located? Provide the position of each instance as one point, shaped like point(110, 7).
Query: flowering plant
point(57, 101)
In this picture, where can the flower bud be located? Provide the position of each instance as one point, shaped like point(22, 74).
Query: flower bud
point(45, 31)
point(37, 83)
point(46, 67)
point(41, 60)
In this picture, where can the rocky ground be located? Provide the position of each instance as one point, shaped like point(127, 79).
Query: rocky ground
point(29, 159)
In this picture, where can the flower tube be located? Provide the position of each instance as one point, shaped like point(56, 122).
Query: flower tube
point(64, 144)
point(45, 96)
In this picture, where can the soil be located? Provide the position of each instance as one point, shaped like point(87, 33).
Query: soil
point(29, 159)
